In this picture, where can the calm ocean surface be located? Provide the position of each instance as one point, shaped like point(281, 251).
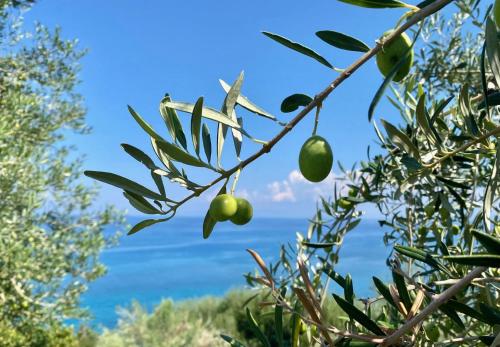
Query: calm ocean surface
point(172, 260)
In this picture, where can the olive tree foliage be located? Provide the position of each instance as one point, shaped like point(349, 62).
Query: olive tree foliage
point(50, 235)
point(435, 184)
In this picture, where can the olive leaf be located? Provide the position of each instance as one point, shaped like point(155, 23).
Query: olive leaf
point(298, 48)
point(244, 102)
point(207, 142)
point(375, 3)
point(207, 112)
point(354, 313)
point(342, 41)
point(196, 124)
point(173, 122)
point(124, 183)
point(146, 223)
point(292, 102)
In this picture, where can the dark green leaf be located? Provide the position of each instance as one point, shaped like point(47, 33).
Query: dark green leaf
point(292, 102)
point(447, 310)
point(422, 256)
point(491, 188)
point(489, 260)
point(196, 124)
point(139, 155)
point(491, 314)
point(493, 100)
point(400, 283)
point(208, 225)
point(348, 290)
point(493, 49)
point(490, 242)
point(207, 142)
point(467, 310)
point(358, 316)
point(146, 223)
point(256, 330)
point(342, 41)
point(375, 3)
point(124, 183)
point(140, 204)
point(384, 291)
point(334, 275)
point(298, 47)
point(318, 245)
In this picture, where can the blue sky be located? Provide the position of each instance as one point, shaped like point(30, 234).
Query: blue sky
point(139, 50)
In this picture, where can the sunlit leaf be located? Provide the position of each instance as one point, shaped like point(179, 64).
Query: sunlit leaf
point(177, 154)
point(140, 204)
point(493, 48)
point(247, 104)
point(208, 113)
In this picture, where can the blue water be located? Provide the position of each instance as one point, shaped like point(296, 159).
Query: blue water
point(172, 260)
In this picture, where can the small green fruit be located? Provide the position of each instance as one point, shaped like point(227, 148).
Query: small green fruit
point(392, 52)
point(244, 212)
point(344, 203)
point(223, 207)
point(315, 159)
point(496, 12)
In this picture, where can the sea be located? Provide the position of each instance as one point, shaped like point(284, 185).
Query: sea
point(172, 260)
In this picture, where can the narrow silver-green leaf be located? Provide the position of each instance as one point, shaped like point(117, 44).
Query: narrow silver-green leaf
point(124, 183)
point(231, 97)
point(209, 113)
point(342, 41)
point(207, 142)
point(144, 125)
point(400, 139)
point(177, 154)
point(237, 137)
point(196, 124)
point(139, 155)
point(354, 313)
point(244, 102)
point(298, 47)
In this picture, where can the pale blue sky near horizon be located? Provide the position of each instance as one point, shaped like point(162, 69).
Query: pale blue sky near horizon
point(138, 51)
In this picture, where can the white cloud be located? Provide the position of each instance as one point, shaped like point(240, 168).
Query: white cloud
point(296, 187)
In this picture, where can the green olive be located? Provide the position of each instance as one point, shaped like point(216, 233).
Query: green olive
point(223, 207)
point(243, 213)
point(391, 54)
point(315, 159)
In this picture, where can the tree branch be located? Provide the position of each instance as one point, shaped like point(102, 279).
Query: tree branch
point(434, 305)
point(318, 100)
